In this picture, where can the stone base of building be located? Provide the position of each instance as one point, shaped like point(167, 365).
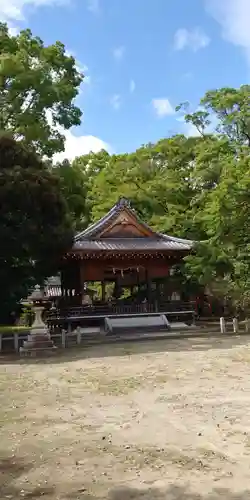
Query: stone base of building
point(38, 345)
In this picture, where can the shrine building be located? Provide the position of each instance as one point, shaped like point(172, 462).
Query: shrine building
point(119, 266)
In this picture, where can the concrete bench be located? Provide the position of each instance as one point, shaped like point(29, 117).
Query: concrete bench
point(135, 324)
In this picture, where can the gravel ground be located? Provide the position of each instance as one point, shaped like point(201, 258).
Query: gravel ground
point(155, 420)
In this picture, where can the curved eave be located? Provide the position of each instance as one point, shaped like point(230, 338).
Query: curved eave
point(91, 230)
point(133, 245)
point(85, 240)
point(189, 243)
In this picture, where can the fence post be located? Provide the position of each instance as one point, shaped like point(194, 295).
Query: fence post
point(235, 325)
point(1, 337)
point(78, 336)
point(63, 338)
point(16, 342)
point(246, 325)
point(222, 325)
point(193, 318)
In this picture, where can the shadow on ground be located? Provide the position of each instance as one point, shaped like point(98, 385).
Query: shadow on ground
point(171, 493)
point(11, 469)
point(142, 346)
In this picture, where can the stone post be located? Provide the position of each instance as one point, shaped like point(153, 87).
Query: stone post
point(247, 325)
point(39, 341)
point(222, 325)
point(235, 325)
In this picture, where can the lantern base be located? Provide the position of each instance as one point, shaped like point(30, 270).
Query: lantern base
point(38, 345)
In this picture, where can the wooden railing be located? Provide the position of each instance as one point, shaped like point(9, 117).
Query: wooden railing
point(102, 310)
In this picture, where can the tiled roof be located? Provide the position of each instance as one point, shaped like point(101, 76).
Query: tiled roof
point(130, 244)
point(87, 241)
point(107, 219)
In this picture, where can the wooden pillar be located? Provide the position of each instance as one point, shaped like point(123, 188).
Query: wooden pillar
point(156, 300)
point(78, 285)
point(71, 277)
point(148, 282)
point(82, 278)
point(157, 292)
point(138, 281)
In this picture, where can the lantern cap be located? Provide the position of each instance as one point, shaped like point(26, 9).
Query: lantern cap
point(37, 295)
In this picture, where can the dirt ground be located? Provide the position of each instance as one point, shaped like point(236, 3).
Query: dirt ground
point(155, 420)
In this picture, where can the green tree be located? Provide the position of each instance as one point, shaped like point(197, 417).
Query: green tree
point(91, 166)
point(35, 227)
point(231, 109)
point(38, 85)
point(77, 180)
point(157, 180)
point(73, 186)
point(228, 109)
point(194, 187)
point(222, 202)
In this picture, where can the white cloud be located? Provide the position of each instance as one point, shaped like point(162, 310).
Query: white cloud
point(119, 52)
point(76, 145)
point(81, 145)
point(13, 10)
point(233, 16)
point(94, 6)
point(131, 86)
point(194, 40)
point(115, 101)
point(162, 107)
point(13, 30)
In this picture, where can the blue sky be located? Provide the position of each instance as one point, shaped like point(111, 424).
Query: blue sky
point(141, 59)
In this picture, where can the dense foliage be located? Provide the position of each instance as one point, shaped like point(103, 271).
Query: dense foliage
point(35, 228)
point(38, 85)
point(192, 187)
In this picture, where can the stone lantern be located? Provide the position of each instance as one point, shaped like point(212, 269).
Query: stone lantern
point(39, 341)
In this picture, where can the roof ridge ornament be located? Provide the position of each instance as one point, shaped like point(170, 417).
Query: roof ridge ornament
point(123, 202)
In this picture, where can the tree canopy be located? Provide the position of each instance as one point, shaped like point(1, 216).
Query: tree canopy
point(192, 187)
point(35, 226)
point(38, 85)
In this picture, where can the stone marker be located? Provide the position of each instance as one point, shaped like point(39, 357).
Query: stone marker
point(39, 341)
